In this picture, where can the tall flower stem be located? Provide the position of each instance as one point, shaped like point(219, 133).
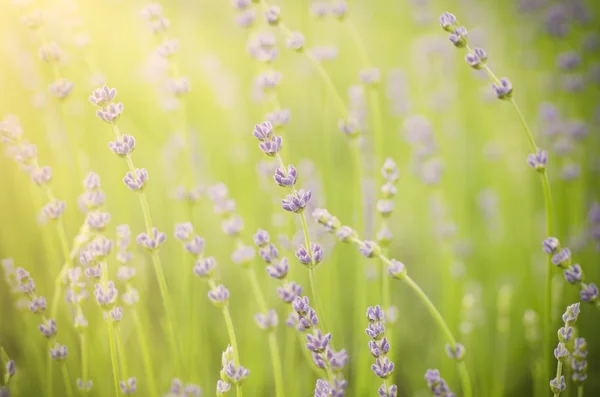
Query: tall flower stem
point(559, 368)
point(441, 323)
point(146, 359)
point(547, 312)
point(231, 333)
point(158, 269)
point(312, 280)
point(66, 379)
point(273, 346)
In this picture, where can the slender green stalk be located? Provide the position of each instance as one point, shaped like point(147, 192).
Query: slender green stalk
point(158, 269)
point(84, 359)
point(121, 351)
point(580, 391)
point(146, 358)
point(547, 322)
point(277, 367)
point(49, 378)
point(66, 379)
point(558, 374)
point(113, 353)
point(273, 347)
point(441, 323)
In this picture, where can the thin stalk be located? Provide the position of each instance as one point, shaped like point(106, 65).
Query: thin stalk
point(66, 379)
point(113, 353)
point(547, 321)
point(233, 341)
point(158, 269)
point(121, 351)
point(580, 391)
point(433, 311)
point(277, 367)
point(146, 359)
point(84, 358)
point(49, 378)
point(273, 347)
point(558, 374)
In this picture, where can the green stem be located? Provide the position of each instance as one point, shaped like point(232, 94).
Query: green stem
point(84, 360)
point(558, 374)
point(462, 369)
point(146, 359)
point(66, 379)
point(113, 353)
point(49, 365)
point(233, 341)
point(158, 269)
point(273, 346)
point(121, 351)
point(276, 361)
point(580, 391)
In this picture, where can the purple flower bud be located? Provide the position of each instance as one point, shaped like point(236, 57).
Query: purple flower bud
point(110, 113)
point(565, 334)
point(48, 329)
point(557, 386)
point(266, 321)
point(263, 131)
point(222, 387)
point(289, 291)
point(295, 41)
point(318, 360)
point(346, 234)
point(458, 37)
point(11, 368)
point(323, 389)
point(233, 226)
point(38, 305)
point(456, 353)
point(571, 314)
point(286, 179)
point(375, 331)
point(269, 253)
point(589, 293)
point(375, 314)
point(195, 246)
point(562, 258)
point(301, 305)
point(280, 270)
point(59, 352)
point(504, 90)
point(448, 21)
point(550, 245)
point(137, 180)
point(122, 146)
point(243, 255)
point(42, 176)
point(106, 296)
point(296, 202)
point(261, 238)
point(97, 221)
point(337, 360)
point(151, 243)
point(383, 367)
point(573, 274)
point(312, 258)
point(317, 342)
point(103, 96)
point(219, 296)
point(205, 267)
point(54, 209)
point(184, 231)
point(370, 249)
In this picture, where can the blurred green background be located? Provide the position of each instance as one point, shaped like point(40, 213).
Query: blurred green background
point(487, 189)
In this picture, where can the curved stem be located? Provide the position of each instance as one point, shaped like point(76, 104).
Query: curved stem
point(158, 269)
point(49, 378)
point(146, 359)
point(113, 353)
point(276, 361)
point(558, 373)
point(121, 351)
point(67, 380)
point(233, 341)
point(84, 360)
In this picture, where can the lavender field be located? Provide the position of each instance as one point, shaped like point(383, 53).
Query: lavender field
point(294, 198)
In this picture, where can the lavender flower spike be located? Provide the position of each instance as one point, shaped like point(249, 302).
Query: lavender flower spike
point(504, 89)
point(297, 201)
point(539, 160)
point(219, 295)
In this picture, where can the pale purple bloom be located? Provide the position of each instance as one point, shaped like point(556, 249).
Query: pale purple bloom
point(383, 367)
point(261, 238)
point(317, 342)
point(562, 258)
point(573, 274)
point(370, 249)
point(106, 296)
point(48, 329)
point(458, 37)
point(61, 88)
point(235, 374)
point(204, 267)
point(289, 291)
point(59, 352)
point(151, 242)
point(136, 180)
point(222, 387)
point(54, 209)
point(504, 89)
point(111, 113)
point(557, 386)
point(456, 353)
point(243, 255)
point(278, 270)
point(97, 221)
point(41, 176)
point(37, 305)
point(219, 295)
point(272, 15)
point(297, 201)
point(195, 246)
point(323, 389)
point(295, 41)
point(233, 225)
point(550, 245)
point(286, 179)
point(571, 314)
point(103, 96)
point(266, 321)
point(269, 253)
point(589, 293)
point(448, 21)
point(376, 330)
point(312, 258)
point(123, 145)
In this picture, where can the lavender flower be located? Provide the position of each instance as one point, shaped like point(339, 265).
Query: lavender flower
point(279, 270)
point(557, 386)
point(550, 245)
point(261, 238)
point(269, 253)
point(266, 321)
point(579, 363)
point(123, 145)
point(272, 15)
point(136, 180)
point(504, 89)
point(323, 389)
point(219, 295)
point(317, 342)
point(128, 387)
point(151, 242)
point(295, 41)
point(562, 258)
point(313, 258)
point(589, 293)
point(573, 274)
point(59, 352)
point(437, 384)
point(286, 179)
point(297, 201)
point(289, 291)
point(370, 249)
point(48, 329)
point(111, 113)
